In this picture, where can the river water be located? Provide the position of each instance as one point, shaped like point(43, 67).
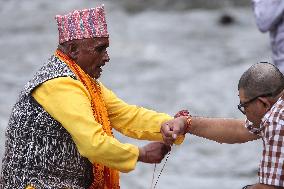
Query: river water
point(163, 60)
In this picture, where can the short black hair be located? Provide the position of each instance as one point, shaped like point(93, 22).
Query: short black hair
point(261, 78)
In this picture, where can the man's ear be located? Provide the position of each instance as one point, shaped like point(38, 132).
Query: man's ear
point(266, 102)
point(73, 50)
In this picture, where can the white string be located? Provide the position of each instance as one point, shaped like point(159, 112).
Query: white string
point(153, 176)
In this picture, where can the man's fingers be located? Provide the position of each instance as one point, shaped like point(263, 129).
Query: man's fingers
point(177, 130)
point(167, 137)
point(167, 130)
point(168, 148)
point(153, 152)
point(164, 150)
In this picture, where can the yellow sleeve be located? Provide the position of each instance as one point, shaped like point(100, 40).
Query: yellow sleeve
point(134, 121)
point(68, 101)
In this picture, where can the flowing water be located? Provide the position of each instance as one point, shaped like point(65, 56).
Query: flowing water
point(163, 60)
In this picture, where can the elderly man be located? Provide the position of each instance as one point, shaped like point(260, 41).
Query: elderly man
point(60, 130)
point(269, 15)
point(262, 101)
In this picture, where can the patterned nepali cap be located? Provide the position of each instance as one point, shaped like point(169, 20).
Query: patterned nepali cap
point(81, 24)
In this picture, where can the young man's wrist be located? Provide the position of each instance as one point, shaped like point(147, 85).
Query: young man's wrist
point(187, 123)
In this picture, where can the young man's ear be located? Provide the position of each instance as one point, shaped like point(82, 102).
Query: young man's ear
point(73, 50)
point(267, 104)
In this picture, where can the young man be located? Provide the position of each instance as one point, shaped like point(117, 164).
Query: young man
point(262, 101)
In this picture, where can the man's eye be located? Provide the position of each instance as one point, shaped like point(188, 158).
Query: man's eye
point(100, 49)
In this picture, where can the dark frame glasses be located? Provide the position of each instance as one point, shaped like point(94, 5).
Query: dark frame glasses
point(242, 106)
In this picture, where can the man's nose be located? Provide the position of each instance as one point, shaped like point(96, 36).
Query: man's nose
point(106, 57)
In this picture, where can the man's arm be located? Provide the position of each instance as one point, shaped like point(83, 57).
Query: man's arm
point(221, 130)
point(218, 129)
point(267, 13)
point(68, 102)
point(134, 121)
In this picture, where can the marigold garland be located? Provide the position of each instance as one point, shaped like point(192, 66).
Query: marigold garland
point(104, 177)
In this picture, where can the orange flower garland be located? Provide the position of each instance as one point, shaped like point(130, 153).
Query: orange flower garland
point(104, 177)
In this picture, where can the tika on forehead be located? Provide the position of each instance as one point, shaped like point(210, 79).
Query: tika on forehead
point(82, 24)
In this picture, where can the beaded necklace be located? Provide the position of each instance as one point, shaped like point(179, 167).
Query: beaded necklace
point(104, 177)
point(153, 186)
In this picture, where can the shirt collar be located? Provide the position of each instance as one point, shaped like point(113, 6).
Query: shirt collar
point(275, 106)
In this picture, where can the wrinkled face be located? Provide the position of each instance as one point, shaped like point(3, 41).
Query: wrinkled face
point(254, 110)
point(92, 55)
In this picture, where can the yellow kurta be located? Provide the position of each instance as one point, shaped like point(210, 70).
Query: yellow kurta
point(67, 100)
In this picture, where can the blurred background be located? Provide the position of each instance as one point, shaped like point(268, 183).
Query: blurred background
point(165, 55)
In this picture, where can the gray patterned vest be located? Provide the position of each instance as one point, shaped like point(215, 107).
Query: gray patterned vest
point(38, 149)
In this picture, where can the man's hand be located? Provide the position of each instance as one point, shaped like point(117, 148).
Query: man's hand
point(171, 129)
point(153, 152)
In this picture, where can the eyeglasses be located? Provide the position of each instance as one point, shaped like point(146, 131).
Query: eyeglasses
point(242, 106)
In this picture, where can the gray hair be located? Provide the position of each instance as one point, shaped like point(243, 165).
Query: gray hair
point(261, 78)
